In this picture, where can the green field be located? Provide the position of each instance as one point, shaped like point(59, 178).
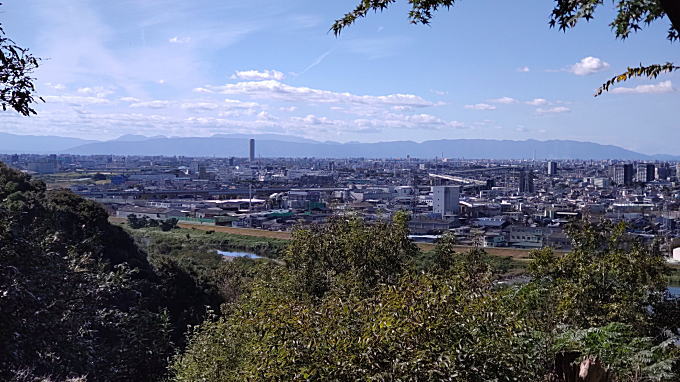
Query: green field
point(185, 242)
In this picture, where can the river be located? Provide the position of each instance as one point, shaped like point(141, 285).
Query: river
point(238, 254)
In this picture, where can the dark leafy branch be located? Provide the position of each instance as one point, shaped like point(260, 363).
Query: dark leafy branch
point(651, 71)
point(421, 11)
point(16, 81)
point(631, 16)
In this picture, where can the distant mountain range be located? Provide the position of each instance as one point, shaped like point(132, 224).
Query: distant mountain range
point(37, 144)
point(272, 145)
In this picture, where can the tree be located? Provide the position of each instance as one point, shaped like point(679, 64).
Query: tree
point(16, 81)
point(631, 15)
point(169, 224)
point(78, 298)
point(607, 277)
point(393, 325)
point(349, 252)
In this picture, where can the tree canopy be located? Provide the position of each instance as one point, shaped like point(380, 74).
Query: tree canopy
point(350, 305)
point(16, 81)
point(78, 298)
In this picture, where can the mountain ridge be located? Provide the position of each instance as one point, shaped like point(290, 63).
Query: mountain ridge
point(273, 145)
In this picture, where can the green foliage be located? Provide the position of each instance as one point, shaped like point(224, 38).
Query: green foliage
point(605, 278)
point(325, 317)
point(627, 357)
point(444, 258)
point(651, 71)
point(445, 252)
point(422, 328)
point(186, 243)
point(348, 301)
point(322, 317)
point(630, 14)
point(16, 82)
point(77, 296)
point(168, 224)
point(349, 252)
point(421, 11)
point(135, 222)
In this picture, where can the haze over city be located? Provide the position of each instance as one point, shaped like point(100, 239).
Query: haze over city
point(488, 69)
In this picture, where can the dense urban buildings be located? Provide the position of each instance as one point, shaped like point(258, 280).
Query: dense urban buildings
point(623, 174)
point(493, 203)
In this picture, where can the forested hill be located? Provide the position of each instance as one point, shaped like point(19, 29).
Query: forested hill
point(77, 296)
point(348, 301)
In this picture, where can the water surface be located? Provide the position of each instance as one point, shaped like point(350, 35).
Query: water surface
point(239, 254)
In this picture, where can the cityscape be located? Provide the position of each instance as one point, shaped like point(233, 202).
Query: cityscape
point(360, 190)
point(522, 204)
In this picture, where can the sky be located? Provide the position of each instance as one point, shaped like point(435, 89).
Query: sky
point(484, 69)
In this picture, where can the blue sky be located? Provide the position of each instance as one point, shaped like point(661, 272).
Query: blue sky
point(485, 69)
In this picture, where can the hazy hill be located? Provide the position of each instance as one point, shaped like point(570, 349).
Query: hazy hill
point(37, 144)
point(273, 145)
point(455, 148)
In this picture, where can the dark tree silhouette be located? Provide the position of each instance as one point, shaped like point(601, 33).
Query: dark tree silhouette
point(16, 81)
point(631, 16)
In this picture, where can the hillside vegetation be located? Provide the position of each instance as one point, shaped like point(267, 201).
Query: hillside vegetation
point(81, 299)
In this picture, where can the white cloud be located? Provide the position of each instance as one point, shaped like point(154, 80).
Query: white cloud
point(264, 116)
point(401, 108)
point(588, 65)
point(199, 106)
point(537, 102)
point(480, 106)
point(288, 109)
point(76, 100)
point(157, 104)
point(254, 75)
point(312, 119)
point(503, 100)
point(179, 40)
point(56, 86)
point(161, 82)
point(97, 91)
point(416, 121)
point(271, 89)
point(129, 99)
point(553, 110)
point(236, 104)
point(523, 69)
point(661, 87)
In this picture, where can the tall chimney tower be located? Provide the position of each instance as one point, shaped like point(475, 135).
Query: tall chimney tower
point(252, 150)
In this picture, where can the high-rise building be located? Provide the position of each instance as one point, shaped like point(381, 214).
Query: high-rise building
point(677, 171)
point(645, 172)
point(622, 174)
point(445, 200)
point(252, 150)
point(552, 168)
point(663, 171)
point(526, 181)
